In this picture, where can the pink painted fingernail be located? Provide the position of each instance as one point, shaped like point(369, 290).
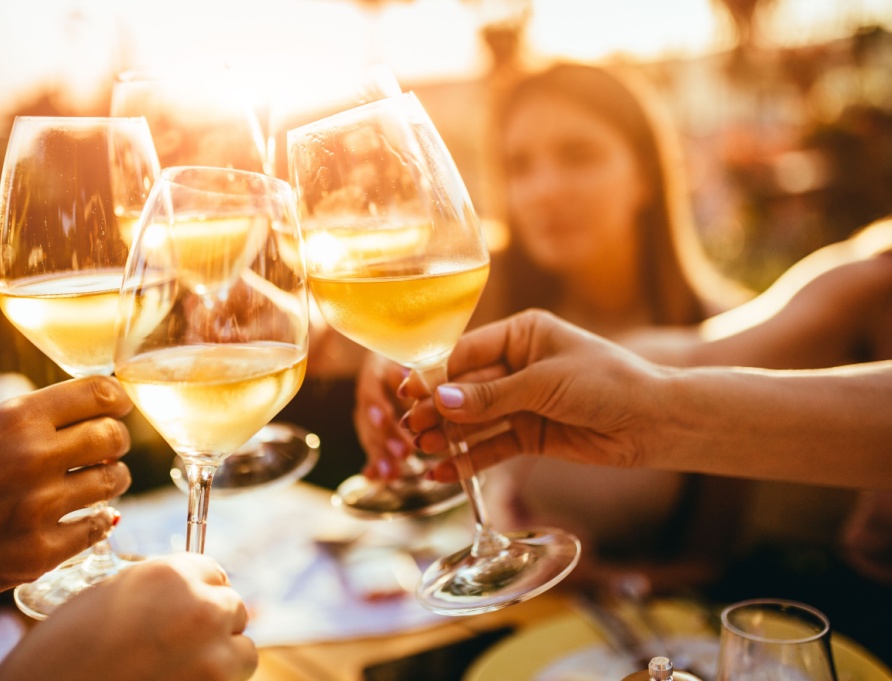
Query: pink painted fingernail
point(376, 416)
point(450, 397)
point(396, 447)
point(384, 468)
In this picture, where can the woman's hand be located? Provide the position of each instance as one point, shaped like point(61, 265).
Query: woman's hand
point(60, 453)
point(566, 393)
point(174, 618)
point(376, 417)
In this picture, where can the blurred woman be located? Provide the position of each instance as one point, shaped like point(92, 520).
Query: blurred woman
point(601, 234)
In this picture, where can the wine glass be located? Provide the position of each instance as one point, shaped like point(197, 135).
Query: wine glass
point(197, 115)
point(320, 96)
point(204, 115)
point(213, 317)
point(775, 640)
point(411, 495)
point(397, 261)
point(69, 187)
point(315, 94)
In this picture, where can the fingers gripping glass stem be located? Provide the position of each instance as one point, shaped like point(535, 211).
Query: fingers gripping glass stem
point(487, 541)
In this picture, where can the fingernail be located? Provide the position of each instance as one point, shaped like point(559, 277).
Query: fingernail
point(404, 422)
point(384, 468)
point(376, 416)
point(396, 447)
point(401, 390)
point(116, 518)
point(450, 397)
point(441, 473)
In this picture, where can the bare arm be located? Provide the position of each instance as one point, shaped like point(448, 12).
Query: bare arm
point(828, 427)
point(834, 307)
point(572, 395)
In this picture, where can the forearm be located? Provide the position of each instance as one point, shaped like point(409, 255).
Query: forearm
point(831, 427)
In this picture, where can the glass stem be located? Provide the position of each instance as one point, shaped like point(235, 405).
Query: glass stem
point(200, 477)
point(487, 540)
point(101, 558)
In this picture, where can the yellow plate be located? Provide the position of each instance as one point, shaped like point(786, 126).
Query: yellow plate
point(527, 654)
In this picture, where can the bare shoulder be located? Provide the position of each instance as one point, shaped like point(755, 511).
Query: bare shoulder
point(863, 261)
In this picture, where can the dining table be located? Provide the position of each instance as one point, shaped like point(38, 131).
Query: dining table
point(330, 598)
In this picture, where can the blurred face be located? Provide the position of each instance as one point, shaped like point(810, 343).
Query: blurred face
point(574, 185)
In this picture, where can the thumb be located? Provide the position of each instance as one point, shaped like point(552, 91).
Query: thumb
point(479, 402)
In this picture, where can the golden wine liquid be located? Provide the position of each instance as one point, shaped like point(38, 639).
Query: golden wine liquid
point(127, 227)
point(70, 317)
point(413, 319)
point(208, 400)
point(211, 253)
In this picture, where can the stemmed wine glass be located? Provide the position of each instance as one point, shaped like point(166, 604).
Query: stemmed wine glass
point(213, 317)
point(69, 187)
point(776, 639)
point(315, 94)
point(411, 495)
point(397, 261)
point(205, 115)
point(197, 115)
point(320, 97)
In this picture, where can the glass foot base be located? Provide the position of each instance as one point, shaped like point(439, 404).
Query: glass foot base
point(405, 498)
point(39, 598)
point(533, 562)
point(279, 454)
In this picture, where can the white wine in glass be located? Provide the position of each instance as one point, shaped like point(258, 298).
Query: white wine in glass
point(213, 317)
point(68, 185)
point(204, 115)
point(397, 261)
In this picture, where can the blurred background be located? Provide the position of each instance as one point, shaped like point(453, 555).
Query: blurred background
point(785, 110)
point(785, 105)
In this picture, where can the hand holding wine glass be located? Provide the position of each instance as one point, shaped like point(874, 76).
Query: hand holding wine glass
point(397, 261)
point(212, 340)
point(68, 187)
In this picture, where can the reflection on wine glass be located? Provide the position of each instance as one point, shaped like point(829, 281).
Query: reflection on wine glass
point(397, 261)
point(67, 182)
point(777, 640)
point(213, 318)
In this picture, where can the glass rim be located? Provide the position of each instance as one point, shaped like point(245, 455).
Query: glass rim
point(82, 120)
point(153, 72)
point(779, 604)
point(354, 112)
point(169, 173)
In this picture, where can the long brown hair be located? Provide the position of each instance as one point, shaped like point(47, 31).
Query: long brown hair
point(672, 266)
